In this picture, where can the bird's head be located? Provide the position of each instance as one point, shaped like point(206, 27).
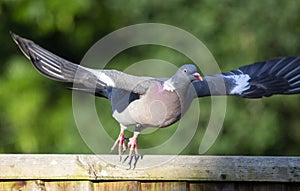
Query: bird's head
point(188, 72)
point(182, 78)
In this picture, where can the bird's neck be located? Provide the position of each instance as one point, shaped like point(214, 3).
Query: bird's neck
point(171, 85)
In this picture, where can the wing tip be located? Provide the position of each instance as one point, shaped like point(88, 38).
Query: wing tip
point(14, 36)
point(22, 43)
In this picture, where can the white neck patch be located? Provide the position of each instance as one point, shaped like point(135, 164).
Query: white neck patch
point(168, 86)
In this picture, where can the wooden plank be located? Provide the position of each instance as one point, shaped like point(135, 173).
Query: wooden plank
point(10, 185)
point(266, 186)
point(68, 185)
point(117, 186)
point(48, 185)
point(212, 186)
point(293, 187)
point(22, 185)
point(163, 186)
point(151, 167)
point(243, 186)
point(144, 186)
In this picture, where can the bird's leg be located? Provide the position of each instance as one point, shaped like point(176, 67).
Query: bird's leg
point(132, 141)
point(121, 141)
point(132, 144)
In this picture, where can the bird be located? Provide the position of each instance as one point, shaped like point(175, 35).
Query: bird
point(143, 101)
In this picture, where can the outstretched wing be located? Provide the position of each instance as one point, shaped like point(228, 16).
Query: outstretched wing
point(57, 68)
point(275, 76)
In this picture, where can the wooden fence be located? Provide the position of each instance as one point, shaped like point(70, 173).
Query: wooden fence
point(151, 173)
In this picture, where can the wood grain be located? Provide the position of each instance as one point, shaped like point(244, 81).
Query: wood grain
point(153, 172)
point(185, 168)
point(165, 186)
point(117, 186)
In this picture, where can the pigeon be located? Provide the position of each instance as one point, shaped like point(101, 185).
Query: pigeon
point(144, 102)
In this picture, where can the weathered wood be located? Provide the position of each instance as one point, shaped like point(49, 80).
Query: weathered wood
point(172, 186)
point(211, 186)
point(68, 185)
point(179, 168)
point(266, 186)
point(117, 186)
point(49, 185)
point(22, 185)
point(243, 186)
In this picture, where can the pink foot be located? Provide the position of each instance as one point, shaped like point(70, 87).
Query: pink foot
point(121, 141)
point(132, 144)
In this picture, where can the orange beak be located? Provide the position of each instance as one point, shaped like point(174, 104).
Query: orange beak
point(197, 76)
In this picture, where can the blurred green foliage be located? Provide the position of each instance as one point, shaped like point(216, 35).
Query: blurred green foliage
point(36, 113)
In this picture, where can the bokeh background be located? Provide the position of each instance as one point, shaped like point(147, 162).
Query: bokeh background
point(36, 113)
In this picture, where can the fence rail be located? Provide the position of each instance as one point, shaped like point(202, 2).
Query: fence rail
point(150, 172)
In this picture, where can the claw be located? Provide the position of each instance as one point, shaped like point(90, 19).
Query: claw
point(121, 142)
point(134, 158)
point(122, 145)
point(133, 145)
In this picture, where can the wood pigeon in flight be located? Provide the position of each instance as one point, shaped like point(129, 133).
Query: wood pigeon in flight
point(159, 102)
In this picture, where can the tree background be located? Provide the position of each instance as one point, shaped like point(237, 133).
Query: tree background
point(36, 113)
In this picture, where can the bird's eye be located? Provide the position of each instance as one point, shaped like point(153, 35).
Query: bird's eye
point(185, 70)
